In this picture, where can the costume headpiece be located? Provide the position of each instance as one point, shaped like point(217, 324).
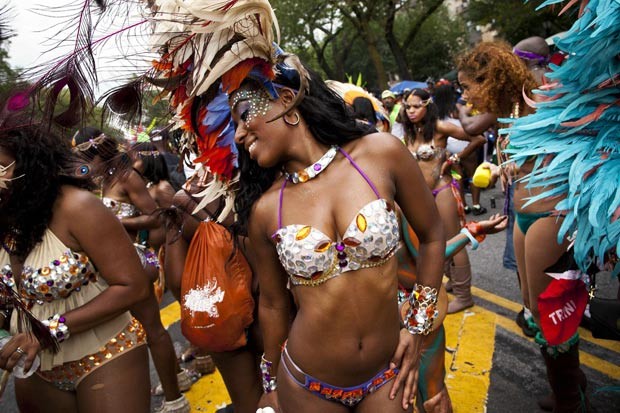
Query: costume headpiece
point(206, 50)
point(348, 92)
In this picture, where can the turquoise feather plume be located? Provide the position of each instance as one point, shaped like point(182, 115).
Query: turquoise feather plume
point(574, 135)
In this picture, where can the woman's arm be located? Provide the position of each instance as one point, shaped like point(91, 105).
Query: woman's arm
point(457, 132)
point(274, 302)
point(139, 195)
point(475, 124)
point(418, 205)
point(98, 233)
point(178, 239)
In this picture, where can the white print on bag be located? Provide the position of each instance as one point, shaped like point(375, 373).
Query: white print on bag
point(204, 299)
point(563, 313)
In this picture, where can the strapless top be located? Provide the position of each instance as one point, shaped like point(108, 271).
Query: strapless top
point(121, 209)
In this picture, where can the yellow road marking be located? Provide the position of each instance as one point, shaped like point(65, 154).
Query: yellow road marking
point(170, 314)
point(471, 337)
point(208, 394)
point(511, 305)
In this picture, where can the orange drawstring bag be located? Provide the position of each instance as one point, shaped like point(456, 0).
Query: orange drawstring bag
point(216, 297)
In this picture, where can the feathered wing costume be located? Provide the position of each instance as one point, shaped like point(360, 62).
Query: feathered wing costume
point(575, 134)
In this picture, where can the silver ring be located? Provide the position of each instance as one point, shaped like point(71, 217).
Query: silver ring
point(20, 350)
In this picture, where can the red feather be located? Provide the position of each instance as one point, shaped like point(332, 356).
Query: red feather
point(232, 79)
point(592, 116)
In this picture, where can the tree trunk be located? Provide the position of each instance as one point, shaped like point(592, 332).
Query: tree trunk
point(395, 47)
point(377, 62)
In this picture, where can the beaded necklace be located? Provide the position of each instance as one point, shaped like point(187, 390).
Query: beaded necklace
point(313, 170)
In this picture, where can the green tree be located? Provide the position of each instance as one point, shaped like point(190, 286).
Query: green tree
point(515, 20)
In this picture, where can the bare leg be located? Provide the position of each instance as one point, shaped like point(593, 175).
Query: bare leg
point(160, 344)
point(122, 385)
point(541, 251)
point(461, 271)
point(35, 395)
point(518, 239)
point(240, 373)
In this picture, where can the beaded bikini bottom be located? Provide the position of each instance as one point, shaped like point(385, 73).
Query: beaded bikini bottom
point(68, 376)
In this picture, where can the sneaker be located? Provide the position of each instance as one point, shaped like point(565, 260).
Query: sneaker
point(180, 405)
point(184, 380)
point(478, 210)
point(520, 320)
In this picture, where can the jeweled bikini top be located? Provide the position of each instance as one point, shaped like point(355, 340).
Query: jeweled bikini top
point(310, 257)
point(57, 280)
point(427, 151)
point(121, 209)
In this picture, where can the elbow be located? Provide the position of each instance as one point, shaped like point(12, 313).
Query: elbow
point(140, 289)
point(138, 295)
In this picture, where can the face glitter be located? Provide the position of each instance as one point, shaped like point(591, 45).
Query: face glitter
point(249, 104)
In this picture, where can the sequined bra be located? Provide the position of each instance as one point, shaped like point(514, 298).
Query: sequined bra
point(57, 280)
point(121, 209)
point(427, 151)
point(310, 257)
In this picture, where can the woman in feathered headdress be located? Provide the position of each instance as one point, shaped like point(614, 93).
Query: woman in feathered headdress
point(333, 238)
point(340, 257)
point(284, 117)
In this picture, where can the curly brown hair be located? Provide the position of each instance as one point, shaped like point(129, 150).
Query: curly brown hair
point(500, 77)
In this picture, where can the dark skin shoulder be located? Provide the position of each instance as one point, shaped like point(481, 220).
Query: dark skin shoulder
point(83, 224)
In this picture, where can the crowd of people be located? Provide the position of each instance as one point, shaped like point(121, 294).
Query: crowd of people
point(306, 241)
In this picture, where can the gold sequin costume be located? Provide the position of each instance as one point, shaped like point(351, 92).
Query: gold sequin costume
point(55, 280)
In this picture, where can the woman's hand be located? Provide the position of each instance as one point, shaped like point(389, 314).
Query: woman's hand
point(269, 400)
point(407, 358)
point(496, 223)
point(9, 356)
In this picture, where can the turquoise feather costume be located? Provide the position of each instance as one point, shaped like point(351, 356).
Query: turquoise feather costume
point(578, 124)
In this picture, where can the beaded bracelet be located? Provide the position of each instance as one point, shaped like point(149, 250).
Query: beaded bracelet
point(58, 328)
point(474, 241)
point(269, 382)
point(423, 309)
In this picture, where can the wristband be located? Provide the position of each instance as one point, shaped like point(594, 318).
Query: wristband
point(474, 241)
point(269, 382)
point(422, 310)
point(476, 230)
point(57, 327)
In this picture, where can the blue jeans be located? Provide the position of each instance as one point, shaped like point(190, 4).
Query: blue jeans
point(510, 261)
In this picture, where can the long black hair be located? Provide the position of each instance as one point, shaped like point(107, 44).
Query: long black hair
point(43, 164)
point(154, 165)
point(445, 99)
point(428, 123)
point(329, 121)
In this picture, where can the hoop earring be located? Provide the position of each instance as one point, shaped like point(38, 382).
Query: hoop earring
point(295, 123)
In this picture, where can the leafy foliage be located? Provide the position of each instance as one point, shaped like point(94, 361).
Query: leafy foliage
point(516, 20)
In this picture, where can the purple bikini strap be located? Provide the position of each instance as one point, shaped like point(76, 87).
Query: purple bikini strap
point(366, 177)
point(346, 155)
point(280, 204)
